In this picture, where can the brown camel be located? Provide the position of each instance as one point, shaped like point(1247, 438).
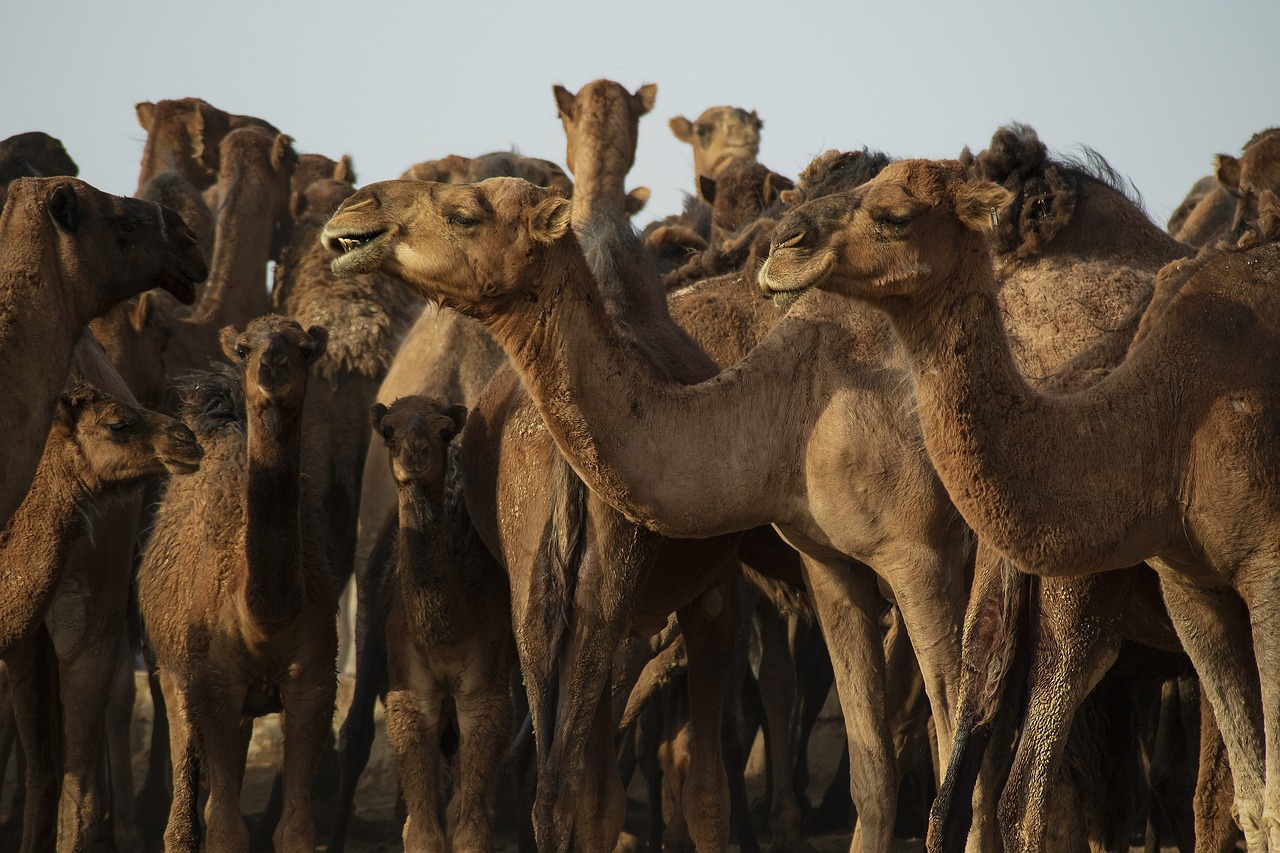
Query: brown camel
point(33, 155)
point(1190, 486)
point(185, 135)
point(68, 253)
point(235, 592)
point(151, 341)
point(449, 633)
point(456, 169)
point(594, 161)
point(719, 136)
point(1228, 201)
point(98, 447)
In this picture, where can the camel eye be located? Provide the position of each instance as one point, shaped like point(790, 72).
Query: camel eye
point(462, 220)
point(242, 351)
point(893, 221)
point(119, 427)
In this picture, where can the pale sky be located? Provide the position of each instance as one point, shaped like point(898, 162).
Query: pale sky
point(1156, 88)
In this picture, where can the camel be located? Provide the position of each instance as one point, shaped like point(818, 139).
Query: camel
point(448, 629)
point(252, 630)
point(1228, 203)
point(150, 341)
point(68, 253)
point(52, 639)
point(447, 355)
point(1191, 488)
point(33, 155)
point(719, 136)
point(456, 169)
point(185, 135)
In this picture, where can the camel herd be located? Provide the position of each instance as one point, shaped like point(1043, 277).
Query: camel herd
point(612, 500)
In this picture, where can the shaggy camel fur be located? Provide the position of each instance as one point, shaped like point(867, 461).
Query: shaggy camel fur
point(151, 341)
point(1228, 204)
point(68, 253)
point(449, 633)
point(450, 356)
point(251, 631)
point(1192, 487)
point(719, 136)
point(628, 578)
point(98, 447)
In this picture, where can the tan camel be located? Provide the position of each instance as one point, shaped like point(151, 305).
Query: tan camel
point(449, 633)
point(1228, 200)
point(235, 593)
point(68, 253)
point(600, 164)
point(1190, 486)
point(98, 447)
point(150, 341)
point(719, 136)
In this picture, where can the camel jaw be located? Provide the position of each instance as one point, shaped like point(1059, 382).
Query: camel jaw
point(359, 251)
point(187, 464)
point(788, 273)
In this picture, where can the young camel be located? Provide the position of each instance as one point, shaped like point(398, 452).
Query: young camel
point(68, 253)
point(448, 629)
point(99, 447)
point(1179, 467)
point(236, 594)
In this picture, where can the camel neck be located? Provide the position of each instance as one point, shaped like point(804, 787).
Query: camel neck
point(599, 180)
point(237, 287)
point(1025, 469)
point(35, 543)
point(273, 512)
point(676, 458)
point(428, 584)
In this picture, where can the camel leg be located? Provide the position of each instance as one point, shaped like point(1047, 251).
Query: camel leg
point(1215, 829)
point(710, 626)
point(845, 598)
point(1260, 588)
point(485, 714)
point(124, 800)
point(33, 673)
point(1213, 626)
point(414, 724)
point(308, 718)
point(223, 750)
point(182, 833)
point(1077, 640)
point(777, 680)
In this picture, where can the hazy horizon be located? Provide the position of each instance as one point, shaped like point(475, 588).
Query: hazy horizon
point(396, 83)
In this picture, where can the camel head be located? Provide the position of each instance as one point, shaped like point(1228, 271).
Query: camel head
point(603, 118)
point(34, 155)
point(114, 443)
point(105, 248)
point(472, 247)
point(893, 236)
point(719, 136)
point(417, 431)
point(1256, 171)
point(275, 354)
point(184, 135)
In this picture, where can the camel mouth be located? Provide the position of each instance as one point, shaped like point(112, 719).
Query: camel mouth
point(358, 251)
point(790, 272)
point(187, 464)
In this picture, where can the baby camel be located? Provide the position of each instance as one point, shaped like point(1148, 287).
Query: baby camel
point(449, 629)
point(1172, 457)
point(236, 593)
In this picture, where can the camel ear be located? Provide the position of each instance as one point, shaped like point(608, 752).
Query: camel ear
point(204, 153)
point(146, 113)
point(458, 414)
point(1227, 170)
point(774, 186)
point(635, 200)
point(565, 100)
point(549, 221)
point(707, 186)
point(282, 151)
point(757, 121)
point(227, 337)
point(297, 204)
point(315, 347)
point(63, 207)
point(376, 413)
point(978, 204)
point(645, 97)
point(141, 311)
point(72, 401)
point(345, 170)
point(682, 128)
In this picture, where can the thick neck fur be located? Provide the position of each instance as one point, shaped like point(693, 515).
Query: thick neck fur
point(1060, 484)
point(429, 587)
point(272, 506)
point(35, 543)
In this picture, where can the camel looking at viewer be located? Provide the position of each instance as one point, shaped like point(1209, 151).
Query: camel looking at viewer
point(236, 593)
point(1179, 467)
point(68, 253)
point(719, 136)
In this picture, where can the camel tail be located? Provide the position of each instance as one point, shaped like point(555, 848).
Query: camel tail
point(561, 556)
point(996, 648)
